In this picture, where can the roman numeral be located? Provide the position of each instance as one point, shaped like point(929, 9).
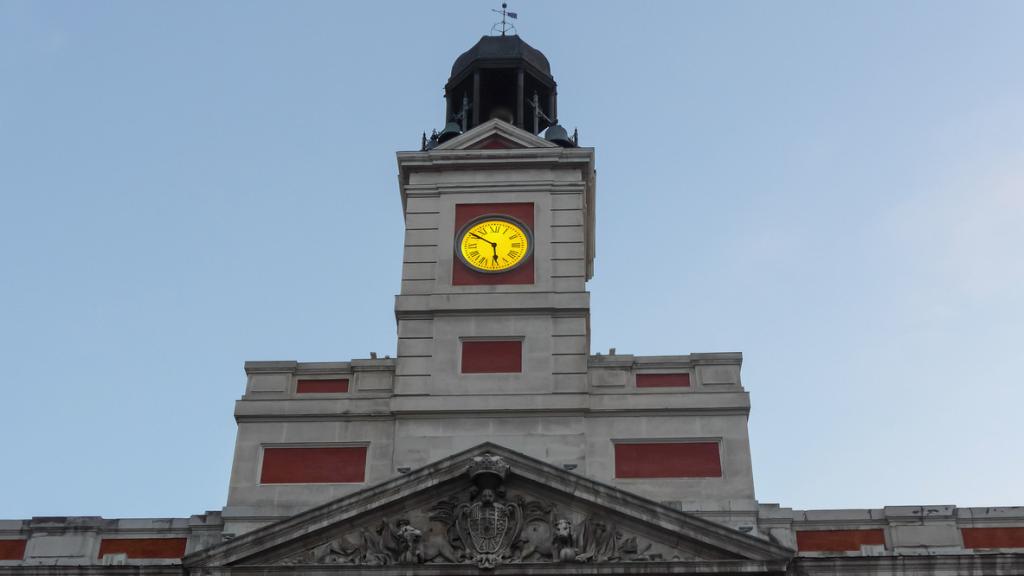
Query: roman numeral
point(471, 246)
point(513, 253)
point(517, 244)
point(474, 253)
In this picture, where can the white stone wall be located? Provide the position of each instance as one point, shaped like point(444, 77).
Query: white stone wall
point(907, 530)
point(75, 540)
point(575, 428)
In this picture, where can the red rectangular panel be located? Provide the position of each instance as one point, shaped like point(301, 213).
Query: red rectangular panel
point(668, 460)
point(681, 380)
point(144, 547)
point(12, 549)
point(838, 540)
point(492, 356)
point(325, 386)
point(1003, 537)
point(463, 275)
point(313, 465)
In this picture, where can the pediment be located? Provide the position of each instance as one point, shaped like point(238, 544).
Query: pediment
point(492, 508)
point(495, 134)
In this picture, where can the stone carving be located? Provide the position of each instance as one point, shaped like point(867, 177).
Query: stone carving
point(486, 526)
point(443, 544)
point(383, 545)
point(563, 544)
point(488, 467)
point(534, 543)
point(409, 551)
point(483, 526)
point(599, 542)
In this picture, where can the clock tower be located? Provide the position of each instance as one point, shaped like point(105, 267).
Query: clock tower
point(493, 315)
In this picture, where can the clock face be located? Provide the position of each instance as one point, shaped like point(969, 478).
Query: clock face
point(494, 244)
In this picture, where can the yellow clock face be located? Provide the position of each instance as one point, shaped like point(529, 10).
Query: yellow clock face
point(494, 244)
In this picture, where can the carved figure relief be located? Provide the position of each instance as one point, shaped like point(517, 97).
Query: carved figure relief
point(409, 551)
point(563, 544)
point(534, 543)
point(599, 542)
point(485, 527)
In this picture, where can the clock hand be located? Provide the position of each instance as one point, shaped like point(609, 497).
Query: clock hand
point(493, 244)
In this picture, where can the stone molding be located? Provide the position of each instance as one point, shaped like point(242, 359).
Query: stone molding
point(938, 565)
point(93, 570)
point(697, 568)
point(496, 127)
point(319, 368)
point(438, 160)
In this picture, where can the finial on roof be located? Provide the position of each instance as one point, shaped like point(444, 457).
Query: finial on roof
point(504, 27)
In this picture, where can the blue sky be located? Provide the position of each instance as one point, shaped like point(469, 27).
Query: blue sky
point(188, 185)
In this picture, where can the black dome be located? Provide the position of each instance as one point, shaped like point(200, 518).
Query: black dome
point(501, 77)
point(495, 49)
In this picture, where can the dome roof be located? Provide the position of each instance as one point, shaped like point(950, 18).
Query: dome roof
point(500, 48)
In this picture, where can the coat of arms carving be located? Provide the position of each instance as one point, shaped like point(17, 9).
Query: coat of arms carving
point(486, 526)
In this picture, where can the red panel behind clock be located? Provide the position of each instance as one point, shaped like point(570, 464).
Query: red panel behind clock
point(462, 275)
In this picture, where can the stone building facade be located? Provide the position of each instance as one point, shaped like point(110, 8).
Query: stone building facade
point(495, 441)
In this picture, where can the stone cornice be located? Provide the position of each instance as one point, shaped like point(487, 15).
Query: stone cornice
point(717, 567)
point(92, 570)
point(496, 311)
point(284, 407)
point(682, 403)
point(676, 361)
point(319, 368)
point(375, 406)
point(270, 366)
point(438, 159)
point(510, 301)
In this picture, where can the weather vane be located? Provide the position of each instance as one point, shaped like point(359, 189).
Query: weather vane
point(504, 26)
